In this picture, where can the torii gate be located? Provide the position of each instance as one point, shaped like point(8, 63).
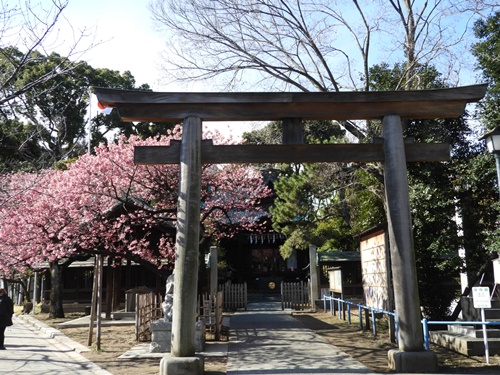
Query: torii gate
point(390, 107)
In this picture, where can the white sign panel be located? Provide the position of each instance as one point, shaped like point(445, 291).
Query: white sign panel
point(481, 297)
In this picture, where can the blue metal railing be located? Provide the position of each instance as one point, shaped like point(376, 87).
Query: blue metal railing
point(361, 307)
point(373, 310)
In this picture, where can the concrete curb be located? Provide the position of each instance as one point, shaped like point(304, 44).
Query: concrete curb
point(53, 333)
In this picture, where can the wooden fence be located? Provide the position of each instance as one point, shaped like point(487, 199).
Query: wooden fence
point(234, 296)
point(295, 295)
point(147, 310)
point(211, 313)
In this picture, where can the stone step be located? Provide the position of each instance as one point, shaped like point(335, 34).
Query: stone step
point(123, 315)
point(466, 345)
point(474, 331)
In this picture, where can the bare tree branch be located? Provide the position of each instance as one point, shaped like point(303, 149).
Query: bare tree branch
point(311, 45)
point(27, 28)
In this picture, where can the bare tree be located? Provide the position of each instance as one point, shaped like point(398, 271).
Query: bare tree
point(435, 32)
point(291, 42)
point(310, 45)
point(30, 29)
point(267, 44)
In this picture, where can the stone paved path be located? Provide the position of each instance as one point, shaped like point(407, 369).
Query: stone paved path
point(31, 350)
point(270, 341)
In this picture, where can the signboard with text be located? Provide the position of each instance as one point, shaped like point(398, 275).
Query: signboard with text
point(481, 297)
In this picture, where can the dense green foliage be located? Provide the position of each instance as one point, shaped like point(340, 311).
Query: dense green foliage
point(487, 52)
point(452, 202)
point(49, 122)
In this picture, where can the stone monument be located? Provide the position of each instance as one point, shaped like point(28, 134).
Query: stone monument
point(169, 299)
point(161, 330)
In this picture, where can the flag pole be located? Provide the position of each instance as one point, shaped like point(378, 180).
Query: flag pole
point(89, 134)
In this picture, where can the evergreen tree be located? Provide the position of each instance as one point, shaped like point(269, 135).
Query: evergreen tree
point(49, 122)
point(487, 52)
point(451, 202)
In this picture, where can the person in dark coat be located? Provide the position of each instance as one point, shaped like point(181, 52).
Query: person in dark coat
point(6, 312)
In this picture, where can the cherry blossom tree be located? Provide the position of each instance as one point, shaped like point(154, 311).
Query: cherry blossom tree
point(105, 204)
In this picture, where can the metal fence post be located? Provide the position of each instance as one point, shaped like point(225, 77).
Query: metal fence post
point(360, 317)
point(374, 323)
point(425, 328)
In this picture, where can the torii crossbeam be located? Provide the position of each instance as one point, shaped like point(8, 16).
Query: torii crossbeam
point(390, 107)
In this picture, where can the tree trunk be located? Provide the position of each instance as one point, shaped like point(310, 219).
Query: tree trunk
point(128, 275)
point(109, 288)
point(117, 276)
point(56, 300)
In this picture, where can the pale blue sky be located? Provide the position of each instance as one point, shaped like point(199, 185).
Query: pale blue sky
point(129, 42)
point(125, 30)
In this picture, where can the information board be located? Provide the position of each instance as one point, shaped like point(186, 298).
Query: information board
point(481, 297)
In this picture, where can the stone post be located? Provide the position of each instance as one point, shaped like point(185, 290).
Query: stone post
point(411, 356)
point(314, 276)
point(186, 256)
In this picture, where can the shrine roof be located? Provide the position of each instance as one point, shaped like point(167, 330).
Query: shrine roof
point(150, 106)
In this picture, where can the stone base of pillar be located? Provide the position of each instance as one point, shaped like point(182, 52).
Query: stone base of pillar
point(413, 362)
point(182, 365)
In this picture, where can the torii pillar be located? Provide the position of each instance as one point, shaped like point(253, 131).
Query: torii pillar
point(411, 356)
point(183, 359)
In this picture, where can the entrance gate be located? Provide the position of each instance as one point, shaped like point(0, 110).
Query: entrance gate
point(291, 108)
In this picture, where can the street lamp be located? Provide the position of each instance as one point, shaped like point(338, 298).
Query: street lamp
point(493, 143)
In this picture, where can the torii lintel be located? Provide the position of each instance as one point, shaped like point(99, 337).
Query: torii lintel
point(174, 106)
point(296, 153)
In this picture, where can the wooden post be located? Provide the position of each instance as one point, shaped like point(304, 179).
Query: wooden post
point(35, 282)
point(406, 298)
point(94, 303)
point(99, 301)
point(314, 276)
point(293, 131)
point(187, 241)
point(109, 288)
point(213, 271)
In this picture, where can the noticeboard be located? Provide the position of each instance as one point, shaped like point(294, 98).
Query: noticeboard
point(375, 270)
point(335, 278)
point(481, 297)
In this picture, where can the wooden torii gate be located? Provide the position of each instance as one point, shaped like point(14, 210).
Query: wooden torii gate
point(390, 107)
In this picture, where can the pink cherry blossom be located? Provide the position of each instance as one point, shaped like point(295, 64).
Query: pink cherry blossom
point(105, 204)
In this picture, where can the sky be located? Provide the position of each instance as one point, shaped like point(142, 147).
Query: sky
point(126, 40)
